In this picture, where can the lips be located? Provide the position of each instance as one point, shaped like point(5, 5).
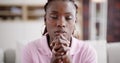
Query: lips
point(59, 32)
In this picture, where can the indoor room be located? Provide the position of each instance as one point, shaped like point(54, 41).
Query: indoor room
point(97, 24)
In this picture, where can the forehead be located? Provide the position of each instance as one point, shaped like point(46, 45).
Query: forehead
point(61, 6)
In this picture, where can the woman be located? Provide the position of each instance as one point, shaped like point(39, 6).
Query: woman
point(58, 45)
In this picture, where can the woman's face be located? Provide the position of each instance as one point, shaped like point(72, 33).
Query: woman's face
point(60, 19)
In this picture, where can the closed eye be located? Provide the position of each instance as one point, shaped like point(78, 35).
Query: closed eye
point(54, 16)
point(68, 17)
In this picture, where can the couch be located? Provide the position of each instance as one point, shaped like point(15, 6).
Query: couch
point(7, 56)
point(107, 53)
point(113, 52)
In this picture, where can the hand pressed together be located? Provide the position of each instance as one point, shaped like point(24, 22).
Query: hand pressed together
point(61, 50)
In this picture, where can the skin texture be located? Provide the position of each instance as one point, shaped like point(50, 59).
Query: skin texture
point(60, 21)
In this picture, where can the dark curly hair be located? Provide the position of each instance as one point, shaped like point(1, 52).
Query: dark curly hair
point(49, 1)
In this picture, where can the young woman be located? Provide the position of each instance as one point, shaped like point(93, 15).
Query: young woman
point(58, 45)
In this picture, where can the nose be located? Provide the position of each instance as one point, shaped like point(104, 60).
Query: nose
point(61, 22)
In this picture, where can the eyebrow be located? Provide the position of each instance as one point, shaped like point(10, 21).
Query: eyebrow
point(55, 12)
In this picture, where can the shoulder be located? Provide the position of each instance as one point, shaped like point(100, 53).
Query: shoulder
point(84, 45)
point(33, 45)
point(84, 51)
point(84, 48)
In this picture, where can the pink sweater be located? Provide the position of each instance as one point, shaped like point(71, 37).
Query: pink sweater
point(38, 52)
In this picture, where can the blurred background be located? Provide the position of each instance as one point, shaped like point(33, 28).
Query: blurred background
point(98, 24)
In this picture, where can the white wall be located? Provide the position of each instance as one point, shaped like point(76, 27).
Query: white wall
point(12, 32)
point(29, 2)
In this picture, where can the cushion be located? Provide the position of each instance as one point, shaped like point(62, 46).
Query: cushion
point(113, 50)
point(9, 56)
point(1, 56)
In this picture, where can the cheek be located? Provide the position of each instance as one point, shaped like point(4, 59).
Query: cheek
point(50, 23)
point(50, 26)
point(71, 27)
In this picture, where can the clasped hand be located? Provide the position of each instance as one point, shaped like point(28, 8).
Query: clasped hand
point(61, 50)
